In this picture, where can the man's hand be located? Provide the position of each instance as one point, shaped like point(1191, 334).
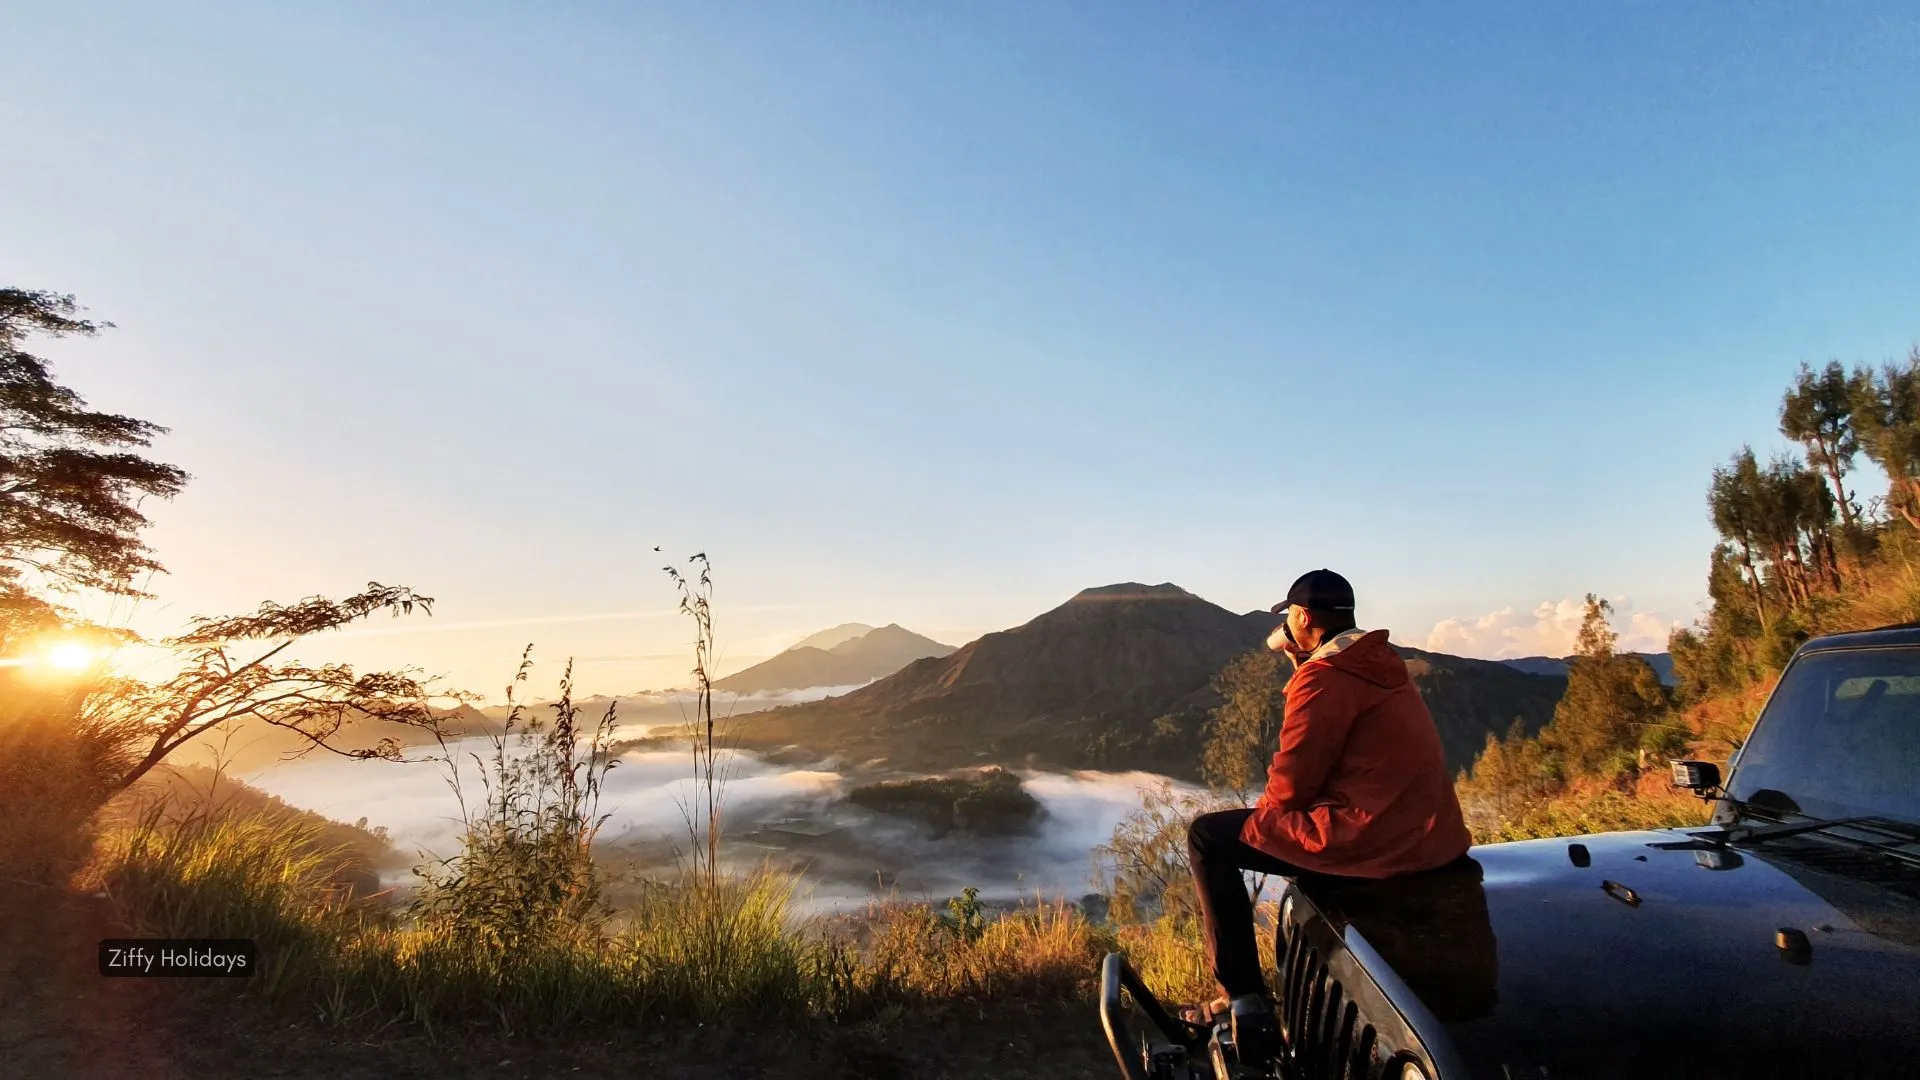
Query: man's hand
point(1281, 641)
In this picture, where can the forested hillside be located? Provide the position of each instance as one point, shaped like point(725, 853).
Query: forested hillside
point(1816, 539)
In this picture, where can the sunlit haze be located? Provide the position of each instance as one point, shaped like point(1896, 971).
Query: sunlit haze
point(935, 315)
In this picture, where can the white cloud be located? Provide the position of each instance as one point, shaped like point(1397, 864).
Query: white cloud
point(1647, 631)
point(649, 796)
point(1548, 630)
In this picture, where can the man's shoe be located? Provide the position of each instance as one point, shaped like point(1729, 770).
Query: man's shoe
point(1204, 1015)
point(1256, 1030)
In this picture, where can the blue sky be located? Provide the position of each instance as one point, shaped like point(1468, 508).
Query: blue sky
point(939, 313)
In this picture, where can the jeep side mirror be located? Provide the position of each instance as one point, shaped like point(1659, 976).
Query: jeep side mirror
point(1699, 777)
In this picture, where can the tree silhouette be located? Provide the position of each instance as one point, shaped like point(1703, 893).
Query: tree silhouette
point(70, 483)
point(1244, 729)
point(1817, 413)
point(1735, 510)
point(1595, 639)
point(1886, 417)
point(1780, 521)
point(1610, 703)
point(232, 670)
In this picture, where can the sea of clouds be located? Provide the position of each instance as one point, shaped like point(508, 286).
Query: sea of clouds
point(650, 796)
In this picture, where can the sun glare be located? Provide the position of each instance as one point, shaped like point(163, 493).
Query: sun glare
point(70, 656)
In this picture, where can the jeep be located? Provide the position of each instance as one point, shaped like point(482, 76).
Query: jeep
point(1782, 939)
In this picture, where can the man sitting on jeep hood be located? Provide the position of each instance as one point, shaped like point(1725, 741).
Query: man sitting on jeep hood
point(1358, 786)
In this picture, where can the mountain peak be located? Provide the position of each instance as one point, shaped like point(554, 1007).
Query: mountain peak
point(838, 635)
point(847, 655)
point(889, 640)
point(1132, 590)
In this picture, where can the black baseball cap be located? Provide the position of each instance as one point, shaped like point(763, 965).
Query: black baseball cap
point(1318, 590)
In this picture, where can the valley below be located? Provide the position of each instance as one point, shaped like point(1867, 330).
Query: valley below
point(853, 834)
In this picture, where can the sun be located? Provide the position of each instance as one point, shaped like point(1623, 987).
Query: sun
point(70, 656)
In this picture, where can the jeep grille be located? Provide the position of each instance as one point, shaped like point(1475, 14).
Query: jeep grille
point(1324, 1034)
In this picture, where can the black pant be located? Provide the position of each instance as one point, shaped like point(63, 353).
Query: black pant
point(1218, 856)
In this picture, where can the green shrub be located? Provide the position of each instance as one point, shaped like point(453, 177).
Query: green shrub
point(525, 871)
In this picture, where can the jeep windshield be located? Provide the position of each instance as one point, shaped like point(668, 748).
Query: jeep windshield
point(1840, 738)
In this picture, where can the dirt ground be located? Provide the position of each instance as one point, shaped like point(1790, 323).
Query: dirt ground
point(59, 1018)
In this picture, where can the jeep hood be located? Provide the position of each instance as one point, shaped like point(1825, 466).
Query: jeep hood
point(1663, 960)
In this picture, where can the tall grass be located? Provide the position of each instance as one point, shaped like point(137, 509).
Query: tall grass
point(733, 944)
point(1169, 954)
point(703, 817)
point(204, 874)
point(689, 952)
point(465, 956)
point(686, 959)
point(1042, 951)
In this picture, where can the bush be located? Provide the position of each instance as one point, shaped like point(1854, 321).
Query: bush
point(1511, 776)
point(1598, 809)
point(1143, 867)
point(525, 871)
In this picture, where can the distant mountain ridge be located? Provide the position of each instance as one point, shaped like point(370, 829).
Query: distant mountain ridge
point(851, 660)
point(1662, 664)
point(1118, 677)
point(255, 744)
point(832, 636)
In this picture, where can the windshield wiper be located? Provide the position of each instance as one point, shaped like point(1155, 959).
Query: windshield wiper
point(1902, 834)
point(1735, 834)
point(1749, 833)
point(1752, 833)
point(1905, 829)
point(1883, 837)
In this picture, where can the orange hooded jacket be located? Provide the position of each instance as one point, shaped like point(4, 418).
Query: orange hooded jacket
point(1358, 786)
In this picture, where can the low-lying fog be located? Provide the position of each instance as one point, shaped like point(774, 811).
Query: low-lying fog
point(665, 708)
point(791, 815)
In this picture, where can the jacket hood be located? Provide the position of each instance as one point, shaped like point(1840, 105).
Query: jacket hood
point(1366, 656)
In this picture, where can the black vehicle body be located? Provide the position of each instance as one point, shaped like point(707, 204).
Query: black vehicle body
point(1779, 941)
